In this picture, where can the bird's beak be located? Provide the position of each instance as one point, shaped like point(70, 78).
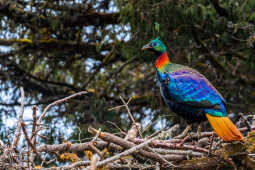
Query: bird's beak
point(147, 46)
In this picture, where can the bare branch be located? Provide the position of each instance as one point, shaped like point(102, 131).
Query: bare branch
point(131, 116)
point(30, 144)
point(161, 153)
point(55, 103)
point(126, 144)
point(34, 120)
point(171, 146)
point(17, 132)
point(125, 153)
point(67, 167)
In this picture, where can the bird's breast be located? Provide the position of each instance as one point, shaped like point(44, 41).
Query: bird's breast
point(164, 81)
point(163, 78)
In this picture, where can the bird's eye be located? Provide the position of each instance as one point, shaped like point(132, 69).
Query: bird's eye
point(153, 44)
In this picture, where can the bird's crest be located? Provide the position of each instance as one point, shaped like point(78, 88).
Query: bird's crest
point(156, 27)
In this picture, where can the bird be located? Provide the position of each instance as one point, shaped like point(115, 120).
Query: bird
point(190, 95)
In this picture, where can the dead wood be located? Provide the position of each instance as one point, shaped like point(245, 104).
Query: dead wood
point(107, 150)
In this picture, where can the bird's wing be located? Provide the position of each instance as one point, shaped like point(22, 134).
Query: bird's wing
point(192, 88)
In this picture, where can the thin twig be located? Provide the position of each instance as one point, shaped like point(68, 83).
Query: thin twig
point(44, 159)
point(114, 124)
point(117, 107)
point(55, 103)
point(130, 115)
point(91, 144)
point(17, 132)
point(46, 109)
point(34, 120)
point(178, 152)
point(23, 125)
point(128, 110)
point(167, 145)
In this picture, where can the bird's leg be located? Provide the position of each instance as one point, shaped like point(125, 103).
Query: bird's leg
point(199, 130)
point(184, 133)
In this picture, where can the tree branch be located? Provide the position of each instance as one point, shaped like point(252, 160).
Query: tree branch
point(15, 12)
point(132, 150)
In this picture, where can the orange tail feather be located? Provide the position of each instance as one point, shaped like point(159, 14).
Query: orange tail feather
point(224, 128)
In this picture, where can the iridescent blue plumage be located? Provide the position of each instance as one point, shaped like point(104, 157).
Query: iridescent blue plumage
point(189, 94)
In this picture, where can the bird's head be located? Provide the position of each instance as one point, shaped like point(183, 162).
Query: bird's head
point(156, 46)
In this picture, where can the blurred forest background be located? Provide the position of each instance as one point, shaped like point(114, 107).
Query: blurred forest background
point(56, 48)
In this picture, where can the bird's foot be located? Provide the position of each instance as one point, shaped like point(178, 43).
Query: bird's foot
point(184, 133)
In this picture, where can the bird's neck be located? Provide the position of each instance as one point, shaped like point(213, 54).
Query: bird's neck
point(162, 61)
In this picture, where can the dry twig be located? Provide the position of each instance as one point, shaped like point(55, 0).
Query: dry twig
point(161, 153)
point(55, 103)
point(130, 115)
point(17, 132)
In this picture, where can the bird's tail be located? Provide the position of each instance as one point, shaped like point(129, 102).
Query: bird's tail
point(224, 128)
